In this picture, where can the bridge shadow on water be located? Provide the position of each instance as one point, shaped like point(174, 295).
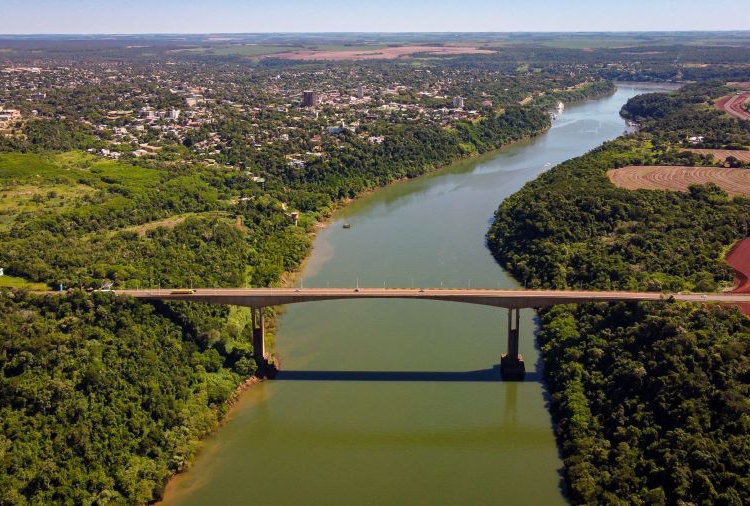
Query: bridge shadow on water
point(482, 375)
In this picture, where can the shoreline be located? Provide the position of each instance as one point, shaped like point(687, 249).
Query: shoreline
point(288, 278)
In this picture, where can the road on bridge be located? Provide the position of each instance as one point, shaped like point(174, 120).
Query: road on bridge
point(516, 299)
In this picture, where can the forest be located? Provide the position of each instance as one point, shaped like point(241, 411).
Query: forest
point(650, 401)
point(104, 398)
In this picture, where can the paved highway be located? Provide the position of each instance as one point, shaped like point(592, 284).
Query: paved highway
point(262, 297)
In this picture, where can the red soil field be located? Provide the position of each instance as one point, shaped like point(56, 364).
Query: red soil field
point(732, 104)
point(732, 181)
point(722, 154)
point(387, 53)
point(739, 259)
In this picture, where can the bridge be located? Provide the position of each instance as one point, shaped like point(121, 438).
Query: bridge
point(511, 363)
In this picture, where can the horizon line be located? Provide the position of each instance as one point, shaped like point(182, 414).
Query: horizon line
point(567, 32)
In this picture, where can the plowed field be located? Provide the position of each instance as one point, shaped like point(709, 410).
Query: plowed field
point(732, 181)
point(739, 260)
point(722, 154)
point(388, 53)
point(732, 104)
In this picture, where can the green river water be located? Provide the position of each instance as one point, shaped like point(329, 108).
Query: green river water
point(400, 402)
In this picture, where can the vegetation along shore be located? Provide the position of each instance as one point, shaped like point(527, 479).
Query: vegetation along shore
point(650, 400)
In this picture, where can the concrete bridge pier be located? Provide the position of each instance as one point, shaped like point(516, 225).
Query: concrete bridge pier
point(259, 348)
point(266, 369)
point(511, 363)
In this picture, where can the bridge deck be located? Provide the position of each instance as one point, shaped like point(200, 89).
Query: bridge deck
point(262, 297)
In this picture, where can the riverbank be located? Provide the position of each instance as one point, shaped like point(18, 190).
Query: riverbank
point(625, 378)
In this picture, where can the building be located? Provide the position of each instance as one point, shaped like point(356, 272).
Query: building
point(340, 129)
point(310, 98)
point(194, 100)
point(148, 113)
point(458, 102)
point(360, 91)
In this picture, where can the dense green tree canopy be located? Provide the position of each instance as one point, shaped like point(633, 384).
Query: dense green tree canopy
point(650, 400)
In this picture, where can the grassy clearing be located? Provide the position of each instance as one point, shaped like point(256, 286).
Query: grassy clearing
point(14, 282)
point(39, 170)
point(23, 200)
point(252, 50)
point(31, 167)
point(31, 183)
point(170, 222)
point(595, 42)
point(132, 176)
point(189, 50)
point(348, 47)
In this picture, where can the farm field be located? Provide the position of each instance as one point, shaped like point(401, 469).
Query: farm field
point(388, 53)
point(739, 259)
point(732, 181)
point(732, 105)
point(722, 154)
point(250, 50)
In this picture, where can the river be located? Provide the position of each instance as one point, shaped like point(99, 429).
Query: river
point(400, 402)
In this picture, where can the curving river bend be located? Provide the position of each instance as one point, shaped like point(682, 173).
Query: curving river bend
point(394, 402)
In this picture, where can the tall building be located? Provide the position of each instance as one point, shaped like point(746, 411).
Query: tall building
point(360, 91)
point(310, 98)
point(458, 102)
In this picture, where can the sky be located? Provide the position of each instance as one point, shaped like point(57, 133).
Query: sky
point(252, 16)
